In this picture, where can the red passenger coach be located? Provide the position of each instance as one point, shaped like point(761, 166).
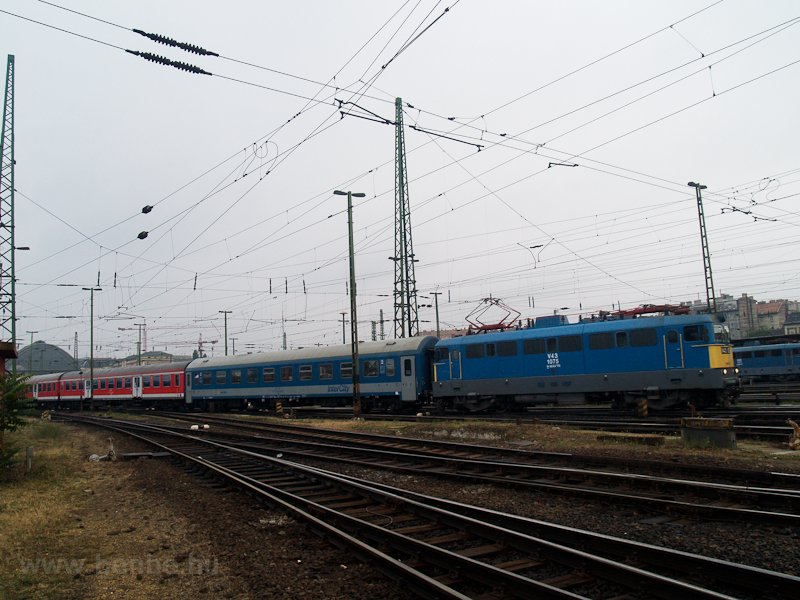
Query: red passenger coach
point(158, 385)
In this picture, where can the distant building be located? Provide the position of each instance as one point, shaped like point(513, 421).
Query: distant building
point(40, 358)
point(792, 324)
point(152, 358)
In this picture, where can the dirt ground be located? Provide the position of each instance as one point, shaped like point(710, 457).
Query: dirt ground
point(146, 529)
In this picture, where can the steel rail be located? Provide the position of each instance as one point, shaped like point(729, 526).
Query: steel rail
point(466, 567)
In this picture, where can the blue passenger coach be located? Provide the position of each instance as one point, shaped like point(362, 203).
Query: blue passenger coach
point(768, 362)
point(668, 360)
point(394, 374)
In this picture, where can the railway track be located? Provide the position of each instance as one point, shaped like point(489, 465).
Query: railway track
point(765, 424)
point(664, 487)
point(442, 549)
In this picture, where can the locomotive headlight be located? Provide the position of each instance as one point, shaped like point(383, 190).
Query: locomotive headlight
point(736, 370)
point(724, 371)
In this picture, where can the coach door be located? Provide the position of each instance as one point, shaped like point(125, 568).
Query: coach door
point(408, 378)
point(673, 350)
point(137, 386)
point(87, 388)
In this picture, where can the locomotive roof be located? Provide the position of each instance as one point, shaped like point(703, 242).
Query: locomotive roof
point(584, 327)
point(413, 344)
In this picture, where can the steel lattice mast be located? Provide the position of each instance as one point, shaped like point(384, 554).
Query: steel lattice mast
point(8, 326)
point(406, 317)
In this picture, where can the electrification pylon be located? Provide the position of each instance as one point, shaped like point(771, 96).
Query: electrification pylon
point(406, 316)
point(8, 325)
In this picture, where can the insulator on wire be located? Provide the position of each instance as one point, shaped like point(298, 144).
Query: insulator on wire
point(170, 63)
point(142, 235)
point(160, 39)
point(147, 209)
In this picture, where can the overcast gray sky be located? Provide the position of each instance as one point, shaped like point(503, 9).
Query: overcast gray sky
point(239, 166)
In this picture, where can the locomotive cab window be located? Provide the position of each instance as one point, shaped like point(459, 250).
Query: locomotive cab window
point(507, 348)
point(552, 345)
point(672, 336)
point(326, 371)
point(491, 350)
point(305, 372)
point(695, 333)
point(441, 354)
point(475, 351)
point(370, 368)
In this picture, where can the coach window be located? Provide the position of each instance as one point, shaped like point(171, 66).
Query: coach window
point(177, 380)
point(305, 372)
point(206, 375)
point(491, 350)
point(407, 367)
point(506, 348)
point(552, 345)
point(570, 343)
point(622, 339)
point(102, 384)
point(346, 370)
point(221, 377)
point(370, 368)
point(252, 375)
point(535, 346)
point(326, 371)
point(474, 350)
point(127, 382)
point(146, 381)
point(268, 374)
point(236, 376)
point(287, 373)
point(601, 341)
point(672, 337)
point(390, 367)
point(643, 337)
point(695, 333)
point(119, 383)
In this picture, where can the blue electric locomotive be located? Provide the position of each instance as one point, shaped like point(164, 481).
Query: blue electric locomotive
point(768, 362)
point(394, 375)
point(668, 360)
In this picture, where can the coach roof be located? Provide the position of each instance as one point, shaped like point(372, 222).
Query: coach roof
point(403, 345)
